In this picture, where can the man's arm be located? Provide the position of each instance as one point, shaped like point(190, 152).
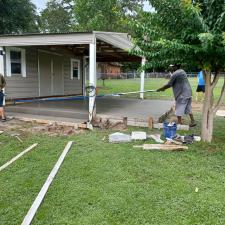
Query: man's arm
point(163, 88)
point(169, 84)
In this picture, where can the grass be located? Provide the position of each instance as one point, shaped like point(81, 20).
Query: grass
point(117, 86)
point(114, 184)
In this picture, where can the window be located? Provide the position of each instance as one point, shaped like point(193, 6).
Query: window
point(15, 62)
point(75, 69)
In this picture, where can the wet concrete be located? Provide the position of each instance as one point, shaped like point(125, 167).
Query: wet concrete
point(78, 109)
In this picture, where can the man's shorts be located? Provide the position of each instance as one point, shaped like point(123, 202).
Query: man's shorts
point(1, 98)
point(200, 88)
point(183, 106)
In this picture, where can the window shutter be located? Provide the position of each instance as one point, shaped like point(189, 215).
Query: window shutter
point(8, 63)
point(71, 69)
point(23, 60)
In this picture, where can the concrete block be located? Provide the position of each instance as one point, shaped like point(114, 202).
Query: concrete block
point(138, 135)
point(119, 137)
point(220, 113)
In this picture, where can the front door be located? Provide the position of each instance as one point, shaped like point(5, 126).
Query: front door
point(57, 76)
point(45, 72)
point(50, 74)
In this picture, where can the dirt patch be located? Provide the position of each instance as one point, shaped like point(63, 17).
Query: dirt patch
point(55, 130)
point(18, 128)
point(197, 107)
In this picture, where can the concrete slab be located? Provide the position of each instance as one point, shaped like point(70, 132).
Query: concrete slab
point(133, 108)
point(109, 107)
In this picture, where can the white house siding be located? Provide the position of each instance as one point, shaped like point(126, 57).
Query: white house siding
point(24, 87)
point(71, 86)
point(28, 87)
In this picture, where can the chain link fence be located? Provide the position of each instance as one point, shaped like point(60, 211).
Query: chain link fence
point(134, 75)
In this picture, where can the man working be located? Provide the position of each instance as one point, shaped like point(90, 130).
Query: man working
point(2, 85)
point(182, 93)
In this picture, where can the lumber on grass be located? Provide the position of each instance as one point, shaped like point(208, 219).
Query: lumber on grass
point(17, 157)
point(33, 209)
point(163, 147)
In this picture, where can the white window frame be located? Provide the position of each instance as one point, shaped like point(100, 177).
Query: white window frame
point(23, 61)
point(71, 62)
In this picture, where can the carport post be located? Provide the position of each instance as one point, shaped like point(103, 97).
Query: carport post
point(92, 79)
point(2, 66)
point(142, 79)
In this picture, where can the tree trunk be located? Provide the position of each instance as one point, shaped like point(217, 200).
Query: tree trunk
point(208, 114)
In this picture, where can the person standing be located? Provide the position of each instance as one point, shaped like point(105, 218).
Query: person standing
point(182, 93)
point(2, 86)
point(201, 84)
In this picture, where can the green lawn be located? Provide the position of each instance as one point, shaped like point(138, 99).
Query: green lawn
point(116, 86)
point(114, 184)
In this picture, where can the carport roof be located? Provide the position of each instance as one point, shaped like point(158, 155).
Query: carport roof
point(120, 40)
point(111, 46)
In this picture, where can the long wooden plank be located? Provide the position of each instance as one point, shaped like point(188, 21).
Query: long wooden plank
point(163, 147)
point(17, 157)
point(37, 202)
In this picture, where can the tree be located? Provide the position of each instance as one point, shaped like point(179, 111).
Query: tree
point(107, 15)
point(187, 32)
point(17, 16)
point(56, 17)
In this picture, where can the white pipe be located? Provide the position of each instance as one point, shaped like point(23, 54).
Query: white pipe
point(2, 70)
point(92, 78)
point(17, 157)
point(33, 209)
point(142, 89)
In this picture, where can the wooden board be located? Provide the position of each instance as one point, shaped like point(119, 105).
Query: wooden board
point(33, 209)
point(17, 157)
point(163, 147)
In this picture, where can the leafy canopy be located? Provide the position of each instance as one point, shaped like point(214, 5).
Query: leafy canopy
point(56, 17)
point(17, 16)
point(183, 31)
point(107, 15)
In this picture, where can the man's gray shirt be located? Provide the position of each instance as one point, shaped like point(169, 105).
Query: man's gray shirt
point(180, 84)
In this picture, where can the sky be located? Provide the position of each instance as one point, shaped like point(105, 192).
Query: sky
point(42, 3)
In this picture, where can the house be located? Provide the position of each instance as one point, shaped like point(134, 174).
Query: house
point(50, 65)
point(108, 70)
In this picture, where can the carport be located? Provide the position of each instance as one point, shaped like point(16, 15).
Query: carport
point(92, 46)
point(112, 108)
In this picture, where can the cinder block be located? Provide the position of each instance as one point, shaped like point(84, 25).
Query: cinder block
point(138, 135)
point(119, 137)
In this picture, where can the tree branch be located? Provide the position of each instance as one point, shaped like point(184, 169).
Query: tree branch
point(215, 79)
point(222, 94)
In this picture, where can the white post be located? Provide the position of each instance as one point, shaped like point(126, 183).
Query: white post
point(92, 79)
point(142, 79)
point(84, 76)
point(2, 71)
